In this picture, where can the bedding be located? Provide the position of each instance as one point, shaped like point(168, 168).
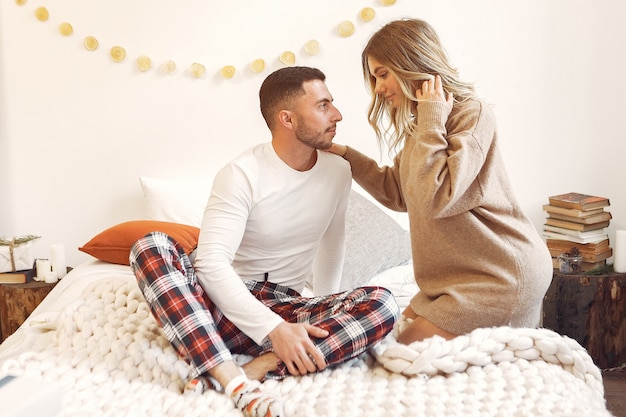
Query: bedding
point(94, 336)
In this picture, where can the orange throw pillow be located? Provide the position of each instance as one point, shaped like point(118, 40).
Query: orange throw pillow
point(113, 244)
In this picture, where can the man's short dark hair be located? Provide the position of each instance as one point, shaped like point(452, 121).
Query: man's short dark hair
point(282, 86)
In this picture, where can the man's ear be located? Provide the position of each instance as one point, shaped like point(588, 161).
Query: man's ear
point(284, 118)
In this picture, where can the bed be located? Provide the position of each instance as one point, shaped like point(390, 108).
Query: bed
point(94, 338)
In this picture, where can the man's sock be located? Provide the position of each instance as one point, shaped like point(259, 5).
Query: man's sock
point(251, 401)
point(199, 385)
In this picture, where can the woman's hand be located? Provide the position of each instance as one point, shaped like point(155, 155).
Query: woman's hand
point(337, 149)
point(432, 90)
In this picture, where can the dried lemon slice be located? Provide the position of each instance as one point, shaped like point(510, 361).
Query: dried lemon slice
point(388, 2)
point(169, 66)
point(346, 28)
point(367, 14)
point(287, 58)
point(66, 29)
point(41, 13)
point(258, 65)
point(197, 70)
point(90, 43)
point(228, 71)
point(118, 54)
point(144, 63)
point(312, 47)
point(20, 2)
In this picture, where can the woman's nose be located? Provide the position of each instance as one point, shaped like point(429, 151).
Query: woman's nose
point(379, 87)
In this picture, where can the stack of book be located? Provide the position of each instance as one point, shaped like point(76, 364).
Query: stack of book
point(579, 221)
point(18, 277)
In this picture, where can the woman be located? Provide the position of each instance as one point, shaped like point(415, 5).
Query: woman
point(478, 260)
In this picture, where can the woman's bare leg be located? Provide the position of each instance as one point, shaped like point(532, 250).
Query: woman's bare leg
point(420, 329)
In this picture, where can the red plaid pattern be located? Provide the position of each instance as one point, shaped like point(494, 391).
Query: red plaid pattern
point(204, 337)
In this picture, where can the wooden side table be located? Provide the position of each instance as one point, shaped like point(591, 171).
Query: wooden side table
point(592, 310)
point(17, 301)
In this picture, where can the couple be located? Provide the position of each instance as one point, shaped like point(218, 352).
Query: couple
point(276, 218)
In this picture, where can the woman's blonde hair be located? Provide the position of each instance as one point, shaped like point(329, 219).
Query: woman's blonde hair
point(411, 50)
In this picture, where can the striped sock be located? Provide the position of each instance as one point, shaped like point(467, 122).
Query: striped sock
point(251, 401)
point(199, 385)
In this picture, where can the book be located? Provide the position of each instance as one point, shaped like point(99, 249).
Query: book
point(576, 226)
point(578, 201)
point(575, 233)
point(571, 211)
point(593, 247)
point(602, 216)
point(588, 266)
point(587, 256)
point(18, 277)
point(574, 239)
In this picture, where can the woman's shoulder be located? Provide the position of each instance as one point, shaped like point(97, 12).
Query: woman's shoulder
point(473, 105)
point(473, 112)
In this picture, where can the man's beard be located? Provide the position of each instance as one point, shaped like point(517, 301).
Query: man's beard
point(312, 138)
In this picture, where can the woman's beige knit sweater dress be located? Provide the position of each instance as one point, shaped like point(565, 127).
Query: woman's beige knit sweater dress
point(477, 258)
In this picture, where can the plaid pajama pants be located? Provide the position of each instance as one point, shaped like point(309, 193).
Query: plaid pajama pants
point(204, 337)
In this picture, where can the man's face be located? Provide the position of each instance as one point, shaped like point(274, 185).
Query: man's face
point(315, 118)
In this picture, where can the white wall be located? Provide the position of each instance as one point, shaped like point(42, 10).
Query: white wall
point(77, 130)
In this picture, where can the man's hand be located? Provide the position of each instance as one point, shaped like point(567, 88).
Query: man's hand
point(293, 345)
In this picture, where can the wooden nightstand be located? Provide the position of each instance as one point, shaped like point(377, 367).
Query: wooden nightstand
point(17, 301)
point(592, 310)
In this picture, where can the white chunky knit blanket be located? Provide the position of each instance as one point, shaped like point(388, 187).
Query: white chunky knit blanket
point(111, 359)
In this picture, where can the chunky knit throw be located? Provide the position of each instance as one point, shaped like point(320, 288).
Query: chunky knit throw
point(111, 359)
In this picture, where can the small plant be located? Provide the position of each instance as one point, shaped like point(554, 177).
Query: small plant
point(17, 240)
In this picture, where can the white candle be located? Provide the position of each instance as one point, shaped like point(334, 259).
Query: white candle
point(57, 255)
point(619, 255)
point(43, 267)
point(51, 277)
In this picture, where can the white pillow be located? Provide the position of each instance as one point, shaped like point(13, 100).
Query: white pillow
point(375, 242)
point(178, 201)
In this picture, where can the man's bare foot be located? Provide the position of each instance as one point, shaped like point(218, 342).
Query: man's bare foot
point(258, 367)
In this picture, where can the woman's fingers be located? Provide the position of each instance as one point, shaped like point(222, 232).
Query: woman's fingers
point(438, 85)
point(432, 90)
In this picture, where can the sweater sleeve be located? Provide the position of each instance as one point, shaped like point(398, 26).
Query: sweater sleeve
point(446, 156)
point(382, 182)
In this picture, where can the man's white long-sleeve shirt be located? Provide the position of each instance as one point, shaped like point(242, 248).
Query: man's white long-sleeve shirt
point(264, 218)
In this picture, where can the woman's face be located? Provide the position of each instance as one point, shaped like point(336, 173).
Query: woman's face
point(387, 84)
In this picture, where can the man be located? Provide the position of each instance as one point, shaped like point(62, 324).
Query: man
point(275, 219)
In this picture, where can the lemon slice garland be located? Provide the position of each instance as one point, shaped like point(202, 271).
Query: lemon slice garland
point(118, 54)
point(144, 63)
point(66, 29)
point(345, 29)
point(90, 43)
